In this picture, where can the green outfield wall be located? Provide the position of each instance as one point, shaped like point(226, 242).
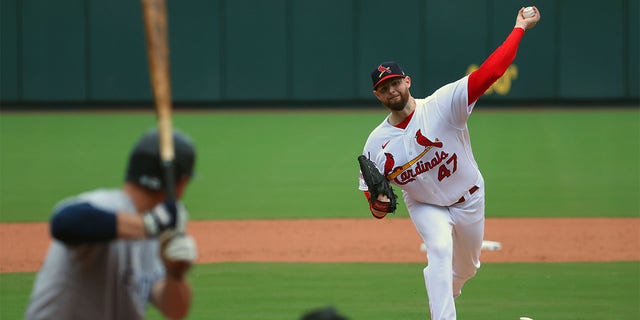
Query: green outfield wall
point(281, 51)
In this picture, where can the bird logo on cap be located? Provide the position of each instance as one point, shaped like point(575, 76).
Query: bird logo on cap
point(383, 70)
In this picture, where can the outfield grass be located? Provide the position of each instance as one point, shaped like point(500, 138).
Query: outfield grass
point(298, 164)
point(546, 163)
point(264, 291)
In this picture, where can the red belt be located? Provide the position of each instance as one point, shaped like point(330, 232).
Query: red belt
point(471, 191)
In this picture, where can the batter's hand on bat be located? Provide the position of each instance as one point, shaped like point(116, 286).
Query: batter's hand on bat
point(165, 216)
point(527, 23)
point(178, 252)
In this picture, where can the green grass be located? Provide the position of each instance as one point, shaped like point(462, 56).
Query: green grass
point(15, 289)
point(568, 291)
point(560, 163)
point(303, 164)
point(245, 291)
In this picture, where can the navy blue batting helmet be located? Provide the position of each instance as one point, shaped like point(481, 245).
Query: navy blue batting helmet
point(145, 166)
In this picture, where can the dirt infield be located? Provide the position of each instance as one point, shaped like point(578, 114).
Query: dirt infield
point(23, 245)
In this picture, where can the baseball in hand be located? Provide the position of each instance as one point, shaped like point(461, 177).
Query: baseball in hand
point(528, 12)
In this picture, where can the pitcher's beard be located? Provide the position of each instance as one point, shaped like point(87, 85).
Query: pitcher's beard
point(399, 105)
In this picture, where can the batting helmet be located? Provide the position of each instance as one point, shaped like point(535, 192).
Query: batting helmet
point(145, 166)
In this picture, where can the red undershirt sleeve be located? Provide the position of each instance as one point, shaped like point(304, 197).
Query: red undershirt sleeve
point(494, 66)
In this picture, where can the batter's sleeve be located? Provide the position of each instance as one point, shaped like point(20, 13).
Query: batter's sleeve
point(82, 222)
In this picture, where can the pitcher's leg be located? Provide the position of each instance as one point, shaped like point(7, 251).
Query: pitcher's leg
point(466, 256)
point(438, 280)
point(434, 225)
point(468, 233)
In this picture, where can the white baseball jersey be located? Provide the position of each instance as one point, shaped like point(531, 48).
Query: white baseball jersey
point(434, 148)
point(109, 280)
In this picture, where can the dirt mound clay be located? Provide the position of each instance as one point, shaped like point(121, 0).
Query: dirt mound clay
point(23, 245)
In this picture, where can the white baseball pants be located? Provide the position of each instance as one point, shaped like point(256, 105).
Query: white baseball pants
point(453, 237)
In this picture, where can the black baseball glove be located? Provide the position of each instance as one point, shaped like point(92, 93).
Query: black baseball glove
point(377, 184)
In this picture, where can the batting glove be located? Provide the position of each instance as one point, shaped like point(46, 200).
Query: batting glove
point(167, 215)
point(178, 252)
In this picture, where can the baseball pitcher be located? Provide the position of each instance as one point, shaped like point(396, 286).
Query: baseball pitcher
point(423, 148)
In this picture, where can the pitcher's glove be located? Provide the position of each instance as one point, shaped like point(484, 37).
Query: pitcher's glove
point(377, 184)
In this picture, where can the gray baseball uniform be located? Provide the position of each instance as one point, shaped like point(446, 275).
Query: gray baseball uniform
point(107, 280)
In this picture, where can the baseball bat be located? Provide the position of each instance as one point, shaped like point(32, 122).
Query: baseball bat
point(399, 170)
point(155, 22)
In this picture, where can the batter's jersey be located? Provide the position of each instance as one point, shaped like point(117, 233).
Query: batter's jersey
point(434, 149)
point(110, 280)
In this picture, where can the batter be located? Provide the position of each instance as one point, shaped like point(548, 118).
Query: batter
point(105, 260)
point(423, 147)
